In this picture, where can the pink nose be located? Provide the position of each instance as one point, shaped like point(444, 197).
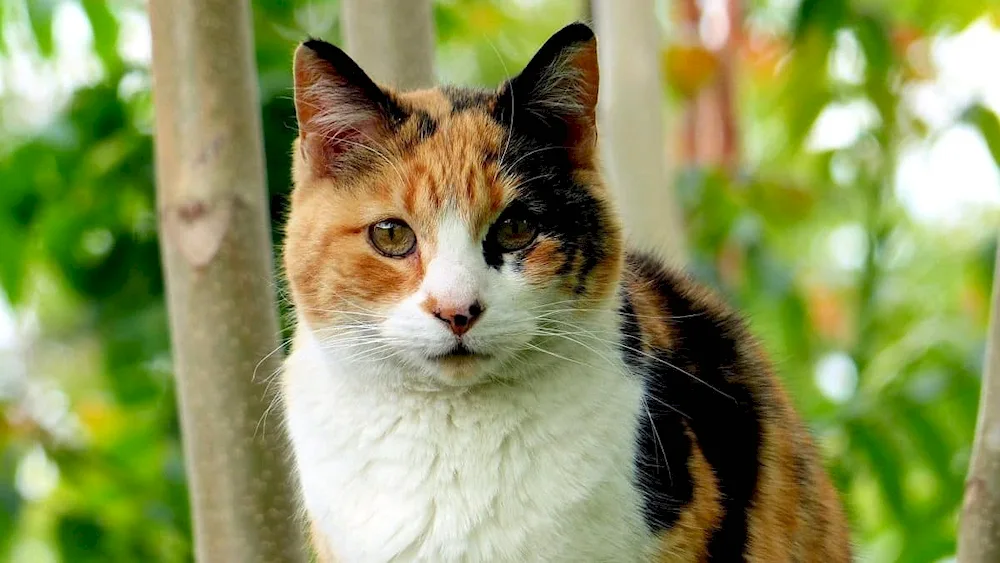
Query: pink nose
point(459, 319)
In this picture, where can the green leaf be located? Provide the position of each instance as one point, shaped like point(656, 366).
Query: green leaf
point(806, 90)
point(105, 27)
point(934, 448)
point(873, 35)
point(447, 23)
point(885, 462)
point(3, 18)
point(40, 14)
point(82, 539)
point(10, 500)
point(824, 15)
point(12, 260)
point(988, 125)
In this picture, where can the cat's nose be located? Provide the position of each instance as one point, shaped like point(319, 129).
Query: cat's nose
point(459, 319)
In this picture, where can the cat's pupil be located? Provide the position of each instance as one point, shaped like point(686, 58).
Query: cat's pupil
point(514, 233)
point(392, 238)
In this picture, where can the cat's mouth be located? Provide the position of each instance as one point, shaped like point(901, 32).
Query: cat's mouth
point(459, 353)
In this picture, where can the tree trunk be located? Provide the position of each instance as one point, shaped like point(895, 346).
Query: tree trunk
point(632, 125)
point(393, 40)
point(979, 536)
point(217, 257)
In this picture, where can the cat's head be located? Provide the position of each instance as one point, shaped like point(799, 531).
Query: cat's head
point(450, 231)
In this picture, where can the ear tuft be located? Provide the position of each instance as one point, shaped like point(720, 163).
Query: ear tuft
point(557, 91)
point(562, 79)
point(338, 106)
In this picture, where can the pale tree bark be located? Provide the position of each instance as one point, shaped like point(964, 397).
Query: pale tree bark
point(392, 40)
point(216, 250)
point(633, 128)
point(979, 536)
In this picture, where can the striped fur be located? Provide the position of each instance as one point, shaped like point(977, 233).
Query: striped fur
point(708, 460)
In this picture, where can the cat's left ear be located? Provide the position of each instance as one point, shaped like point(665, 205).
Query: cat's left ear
point(555, 96)
point(340, 109)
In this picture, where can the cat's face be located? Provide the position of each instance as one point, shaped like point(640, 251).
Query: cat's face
point(450, 232)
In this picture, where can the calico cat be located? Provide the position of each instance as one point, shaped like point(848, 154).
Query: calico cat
point(482, 372)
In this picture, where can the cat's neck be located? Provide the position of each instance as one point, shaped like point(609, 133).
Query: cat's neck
point(384, 455)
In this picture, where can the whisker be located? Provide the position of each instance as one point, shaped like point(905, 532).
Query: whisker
point(367, 352)
point(510, 125)
point(654, 358)
point(344, 312)
point(281, 346)
point(621, 313)
point(553, 354)
point(656, 439)
point(530, 153)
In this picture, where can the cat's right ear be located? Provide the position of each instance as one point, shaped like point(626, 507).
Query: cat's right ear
point(339, 108)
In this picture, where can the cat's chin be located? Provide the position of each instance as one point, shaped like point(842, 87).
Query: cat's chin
point(461, 367)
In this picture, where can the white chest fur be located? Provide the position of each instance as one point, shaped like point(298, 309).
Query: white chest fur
point(537, 471)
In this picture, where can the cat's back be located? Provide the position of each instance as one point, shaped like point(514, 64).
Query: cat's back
point(726, 465)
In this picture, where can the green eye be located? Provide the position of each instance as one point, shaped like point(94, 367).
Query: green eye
point(392, 238)
point(514, 231)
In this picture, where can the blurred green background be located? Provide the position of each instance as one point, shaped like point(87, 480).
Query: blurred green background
point(857, 233)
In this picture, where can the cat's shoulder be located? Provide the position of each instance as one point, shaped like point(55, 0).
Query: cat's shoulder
point(721, 451)
point(662, 299)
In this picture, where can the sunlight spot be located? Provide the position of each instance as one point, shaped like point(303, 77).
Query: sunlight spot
point(8, 324)
point(37, 475)
point(97, 242)
point(135, 44)
point(843, 169)
point(959, 61)
point(12, 368)
point(839, 125)
point(848, 246)
point(132, 84)
point(847, 62)
point(945, 179)
point(33, 551)
point(836, 377)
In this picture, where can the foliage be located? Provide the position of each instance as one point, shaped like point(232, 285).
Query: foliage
point(90, 462)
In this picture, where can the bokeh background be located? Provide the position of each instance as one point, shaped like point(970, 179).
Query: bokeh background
point(835, 161)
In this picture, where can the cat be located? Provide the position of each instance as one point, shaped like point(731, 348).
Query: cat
point(481, 371)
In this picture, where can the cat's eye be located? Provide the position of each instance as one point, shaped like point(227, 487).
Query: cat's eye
point(392, 238)
point(514, 231)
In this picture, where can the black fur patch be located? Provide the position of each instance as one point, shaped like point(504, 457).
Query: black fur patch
point(632, 347)
point(426, 126)
point(537, 155)
point(720, 409)
point(566, 211)
point(664, 447)
point(463, 99)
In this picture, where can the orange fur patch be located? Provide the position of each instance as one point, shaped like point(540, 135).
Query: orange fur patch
point(691, 532)
point(331, 265)
point(544, 261)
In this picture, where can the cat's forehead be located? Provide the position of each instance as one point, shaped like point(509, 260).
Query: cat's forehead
point(455, 164)
point(445, 101)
